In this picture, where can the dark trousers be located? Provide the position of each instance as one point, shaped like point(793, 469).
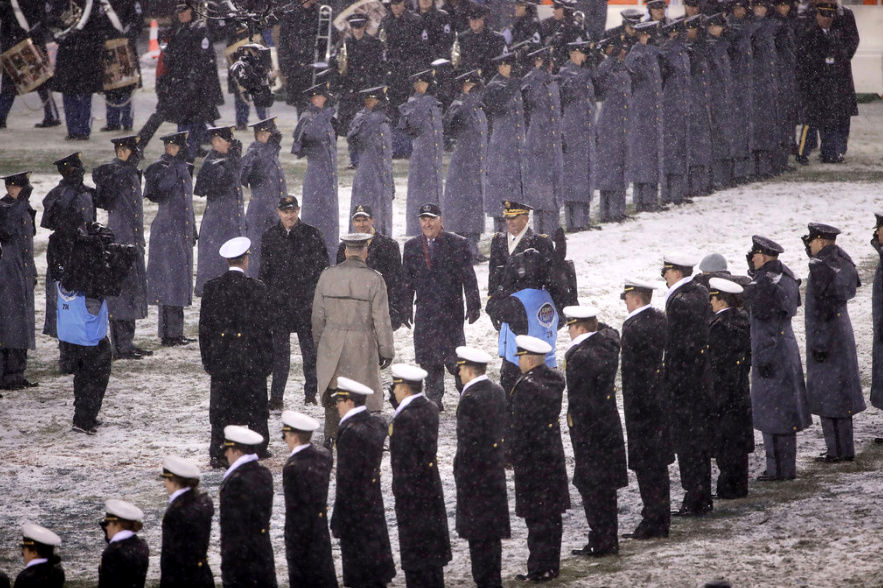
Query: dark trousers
point(576, 218)
point(733, 479)
point(91, 369)
point(12, 366)
point(433, 577)
point(242, 109)
point(655, 488)
point(644, 196)
point(238, 401)
point(722, 174)
point(838, 437)
point(78, 114)
point(612, 205)
point(170, 323)
point(544, 544)
point(601, 514)
point(834, 141)
point(486, 556)
point(781, 455)
point(698, 181)
point(695, 467)
point(197, 136)
point(509, 374)
point(763, 163)
point(546, 221)
point(282, 361)
point(672, 189)
point(434, 384)
point(120, 114)
point(123, 334)
point(50, 111)
point(743, 168)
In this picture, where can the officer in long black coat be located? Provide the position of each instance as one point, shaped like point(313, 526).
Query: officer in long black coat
point(479, 470)
point(424, 542)
point(646, 407)
point(590, 364)
point(305, 478)
point(877, 320)
point(729, 353)
point(118, 190)
point(125, 560)
point(541, 493)
point(358, 519)
point(687, 381)
point(246, 505)
point(236, 345)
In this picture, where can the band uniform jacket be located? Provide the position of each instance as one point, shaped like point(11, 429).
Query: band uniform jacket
point(645, 401)
point(779, 404)
point(43, 575)
point(466, 123)
point(384, 257)
point(877, 329)
point(359, 519)
point(364, 69)
point(420, 118)
point(541, 488)
point(351, 327)
point(592, 416)
point(124, 564)
point(18, 276)
point(186, 532)
point(370, 136)
point(79, 66)
point(305, 480)
point(478, 49)
point(403, 34)
point(645, 139)
point(833, 384)
point(224, 218)
point(262, 172)
point(506, 155)
point(479, 464)
point(421, 518)
point(172, 232)
point(12, 33)
point(118, 190)
point(440, 285)
point(579, 161)
point(246, 505)
point(729, 352)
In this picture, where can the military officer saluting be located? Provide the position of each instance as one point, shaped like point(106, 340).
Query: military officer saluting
point(424, 542)
point(591, 361)
point(359, 520)
point(125, 560)
point(305, 479)
point(42, 565)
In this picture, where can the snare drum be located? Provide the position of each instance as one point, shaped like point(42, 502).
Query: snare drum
point(120, 64)
point(27, 65)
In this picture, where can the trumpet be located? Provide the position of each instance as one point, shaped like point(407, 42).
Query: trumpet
point(455, 52)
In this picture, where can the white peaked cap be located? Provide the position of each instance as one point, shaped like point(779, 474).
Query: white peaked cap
point(473, 355)
point(183, 468)
point(235, 247)
point(353, 387)
point(407, 373)
point(123, 510)
point(532, 345)
point(40, 534)
point(722, 285)
point(298, 421)
point(242, 435)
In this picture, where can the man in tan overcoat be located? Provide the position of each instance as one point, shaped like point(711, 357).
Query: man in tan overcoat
point(351, 328)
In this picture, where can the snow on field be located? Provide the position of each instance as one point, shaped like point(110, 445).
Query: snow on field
point(822, 530)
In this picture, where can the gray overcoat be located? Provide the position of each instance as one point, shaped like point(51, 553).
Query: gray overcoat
point(370, 137)
point(315, 139)
point(420, 118)
point(645, 118)
point(505, 150)
point(17, 273)
point(721, 107)
point(462, 201)
point(614, 87)
point(172, 233)
point(742, 98)
point(778, 402)
point(877, 318)
point(765, 133)
point(544, 160)
point(223, 219)
point(675, 62)
point(699, 95)
point(833, 385)
point(262, 172)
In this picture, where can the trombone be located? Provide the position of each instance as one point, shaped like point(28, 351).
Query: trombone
point(323, 34)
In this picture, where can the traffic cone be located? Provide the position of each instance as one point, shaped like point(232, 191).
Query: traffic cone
point(154, 37)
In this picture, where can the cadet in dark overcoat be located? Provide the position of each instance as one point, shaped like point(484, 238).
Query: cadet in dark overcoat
point(544, 180)
point(591, 362)
point(688, 381)
point(541, 493)
point(297, 46)
point(224, 217)
point(561, 28)
point(739, 30)
point(294, 258)
point(168, 182)
point(125, 560)
point(437, 269)
point(118, 190)
point(765, 89)
point(646, 407)
point(370, 137)
point(779, 404)
point(422, 521)
point(506, 156)
point(480, 44)
point(186, 528)
point(479, 467)
point(614, 88)
point(305, 478)
point(833, 383)
point(262, 172)
point(466, 123)
point(721, 104)
point(420, 118)
point(245, 502)
point(236, 345)
point(38, 543)
point(786, 66)
point(674, 61)
point(359, 520)
point(18, 277)
point(316, 139)
point(877, 318)
point(645, 121)
point(729, 353)
point(698, 181)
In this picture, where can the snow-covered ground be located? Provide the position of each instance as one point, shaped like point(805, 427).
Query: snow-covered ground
point(821, 530)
